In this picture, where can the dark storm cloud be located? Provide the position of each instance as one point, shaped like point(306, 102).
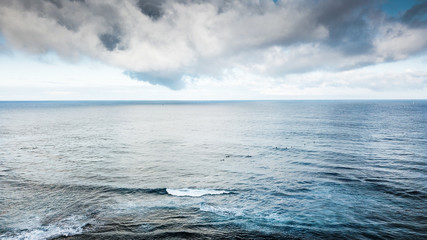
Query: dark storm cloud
point(151, 8)
point(109, 41)
point(162, 41)
point(417, 15)
point(348, 25)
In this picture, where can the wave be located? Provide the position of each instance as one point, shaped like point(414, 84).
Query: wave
point(188, 192)
point(222, 211)
point(66, 227)
point(86, 188)
point(119, 190)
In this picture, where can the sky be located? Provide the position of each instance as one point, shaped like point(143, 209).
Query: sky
point(213, 50)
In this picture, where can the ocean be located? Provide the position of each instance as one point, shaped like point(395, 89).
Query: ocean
point(213, 170)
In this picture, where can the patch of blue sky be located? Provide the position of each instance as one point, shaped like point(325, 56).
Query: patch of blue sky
point(2, 42)
point(396, 8)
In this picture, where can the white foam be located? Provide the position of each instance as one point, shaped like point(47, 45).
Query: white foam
point(222, 211)
point(187, 192)
point(66, 227)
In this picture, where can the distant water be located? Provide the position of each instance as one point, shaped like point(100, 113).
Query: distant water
point(240, 170)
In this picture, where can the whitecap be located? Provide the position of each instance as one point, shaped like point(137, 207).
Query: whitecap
point(66, 227)
point(188, 192)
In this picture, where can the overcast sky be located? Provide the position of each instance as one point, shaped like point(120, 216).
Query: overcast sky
point(196, 49)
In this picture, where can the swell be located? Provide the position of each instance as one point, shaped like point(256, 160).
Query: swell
point(84, 188)
point(181, 192)
point(378, 185)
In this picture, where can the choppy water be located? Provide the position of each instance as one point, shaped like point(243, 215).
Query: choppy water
point(291, 169)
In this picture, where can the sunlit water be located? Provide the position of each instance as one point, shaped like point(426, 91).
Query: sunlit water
point(291, 169)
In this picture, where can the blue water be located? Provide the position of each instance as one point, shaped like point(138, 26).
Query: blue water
point(239, 170)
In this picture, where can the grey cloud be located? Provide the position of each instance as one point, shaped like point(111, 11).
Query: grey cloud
point(112, 38)
point(349, 29)
point(170, 80)
point(417, 15)
point(162, 41)
point(151, 8)
point(110, 41)
point(57, 3)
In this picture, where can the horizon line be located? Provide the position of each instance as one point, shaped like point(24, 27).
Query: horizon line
point(216, 100)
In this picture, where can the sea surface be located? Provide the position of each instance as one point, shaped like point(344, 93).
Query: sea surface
point(213, 170)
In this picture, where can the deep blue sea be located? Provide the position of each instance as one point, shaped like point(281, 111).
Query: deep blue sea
point(213, 170)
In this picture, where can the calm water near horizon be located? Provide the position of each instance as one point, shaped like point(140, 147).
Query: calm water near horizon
point(208, 170)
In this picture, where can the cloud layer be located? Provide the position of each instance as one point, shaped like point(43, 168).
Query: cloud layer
point(166, 42)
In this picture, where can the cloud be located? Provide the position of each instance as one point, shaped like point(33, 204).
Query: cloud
point(158, 78)
point(151, 8)
point(164, 42)
point(416, 15)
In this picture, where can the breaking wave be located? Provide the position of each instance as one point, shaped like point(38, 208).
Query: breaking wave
point(66, 227)
point(188, 192)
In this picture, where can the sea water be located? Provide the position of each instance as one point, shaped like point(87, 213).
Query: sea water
point(239, 170)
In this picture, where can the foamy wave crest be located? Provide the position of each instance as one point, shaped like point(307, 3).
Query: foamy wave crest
point(66, 227)
point(187, 192)
point(220, 210)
